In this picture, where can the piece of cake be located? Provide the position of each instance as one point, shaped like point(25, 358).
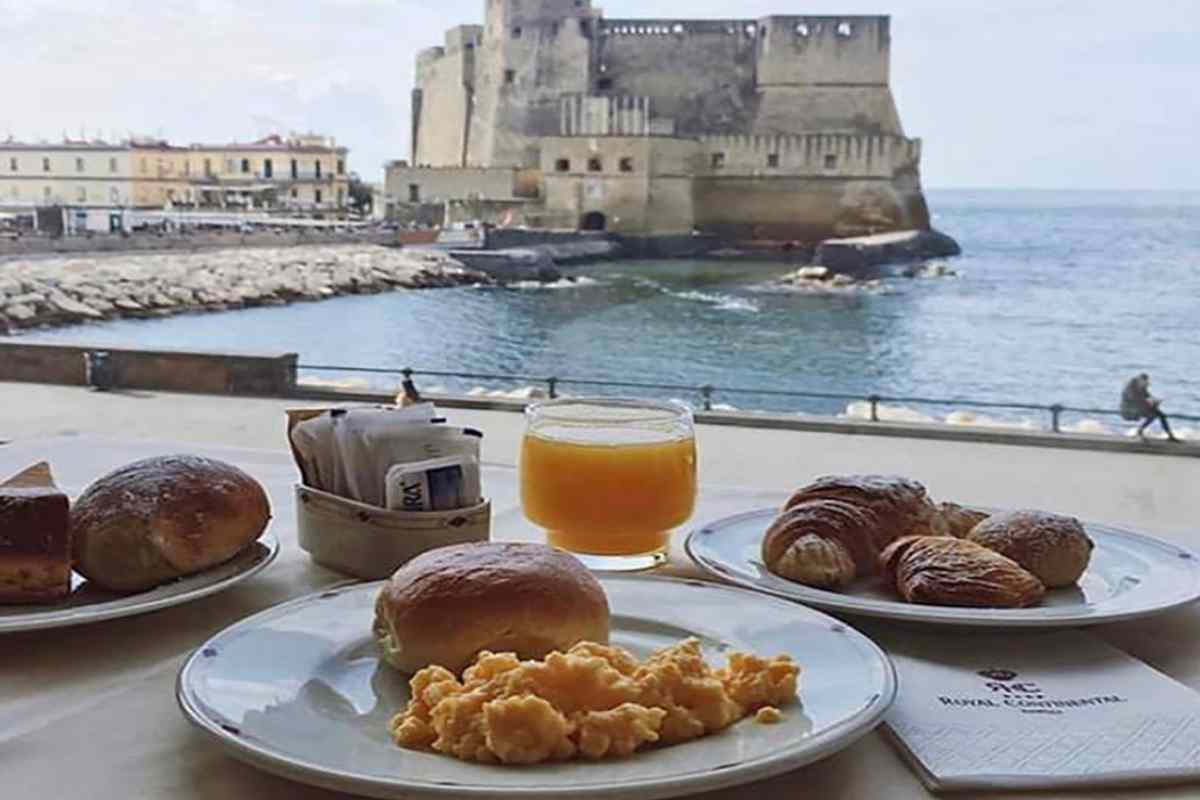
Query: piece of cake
point(35, 540)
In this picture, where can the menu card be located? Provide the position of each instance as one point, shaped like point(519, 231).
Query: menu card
point(1037, 710)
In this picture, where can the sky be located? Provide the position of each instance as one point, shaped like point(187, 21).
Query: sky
point(1078, 94)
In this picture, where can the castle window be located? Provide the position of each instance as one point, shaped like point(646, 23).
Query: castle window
point(604, 84)
point(773, 159)
point(595, 165)
point(844, 29)
point(718, 160)
point(414, 193)
point(516, 32)
point(802, 29)
point(510, 76)
point(626, 164)
point(562, 165)
point(830, 161)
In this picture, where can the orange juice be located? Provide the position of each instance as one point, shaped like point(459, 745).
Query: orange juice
point(608, 491)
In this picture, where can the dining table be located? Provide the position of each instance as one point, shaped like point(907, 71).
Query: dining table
point(90, 711)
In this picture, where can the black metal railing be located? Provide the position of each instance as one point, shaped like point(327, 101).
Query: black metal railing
point(707, 393)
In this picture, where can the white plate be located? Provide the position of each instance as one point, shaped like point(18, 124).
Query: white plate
point(88, 603)
point(1129, 575)
point(299, 691)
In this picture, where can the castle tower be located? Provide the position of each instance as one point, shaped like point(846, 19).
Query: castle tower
point(825, 74)
point(532, 52)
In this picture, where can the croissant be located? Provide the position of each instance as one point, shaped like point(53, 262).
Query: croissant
point(1053, 547)
point(833, 529)
point(941, 570)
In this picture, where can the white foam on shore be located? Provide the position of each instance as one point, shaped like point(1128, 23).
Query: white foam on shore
point(721, 302)
point(562, 283)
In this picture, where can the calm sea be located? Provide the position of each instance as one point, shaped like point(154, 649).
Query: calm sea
point(1061, 296)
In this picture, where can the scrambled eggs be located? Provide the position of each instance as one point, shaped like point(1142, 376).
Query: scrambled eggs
point(594, 701)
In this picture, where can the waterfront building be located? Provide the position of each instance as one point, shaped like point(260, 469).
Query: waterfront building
point(779, 128)
point(298, 174)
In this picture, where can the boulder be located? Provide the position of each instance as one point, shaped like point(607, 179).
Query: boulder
point(20, 313)
point(862, 256)
point(60, 303)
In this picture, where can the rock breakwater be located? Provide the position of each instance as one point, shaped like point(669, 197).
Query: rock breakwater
point(63, 291)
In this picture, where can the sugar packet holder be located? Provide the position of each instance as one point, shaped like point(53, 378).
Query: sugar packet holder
point(367, 541)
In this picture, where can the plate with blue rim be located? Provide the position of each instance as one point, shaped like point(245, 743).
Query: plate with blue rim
point(300, 690)
point(1130, 575)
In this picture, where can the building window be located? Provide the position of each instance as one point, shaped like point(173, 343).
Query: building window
point(114, 195)
point(112, 165)
point(268, 168)
point(341, 166)
point(830, 161)
point(604, 84)
point(81, 193)
point(516, 33)
point(208, 167)
point(510, 76)
point(562, 165)
point(414, 193)
point(143, 166)
point(341, 198)
point(79, 165)
point(772, 159)
point(718, 160)
point(554, 29)
point(12, 164)
point(46, 192)
point(46, 166)
point(317, 168)
point(295, 194)
point(595, 165)
point(626, 164)
point(317, 195)
point(245, 165)
point(295, 168)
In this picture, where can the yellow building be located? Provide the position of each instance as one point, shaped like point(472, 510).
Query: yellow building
point(77, 173)
point(299, 174)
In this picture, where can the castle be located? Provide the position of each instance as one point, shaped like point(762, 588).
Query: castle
point(782, 128)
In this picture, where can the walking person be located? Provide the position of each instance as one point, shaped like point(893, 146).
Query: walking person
point(1138, 403)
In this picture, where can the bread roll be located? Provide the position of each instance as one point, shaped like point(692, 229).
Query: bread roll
point(944, 571)
point(446, 605)
point(161, 518)
point(1051, 546)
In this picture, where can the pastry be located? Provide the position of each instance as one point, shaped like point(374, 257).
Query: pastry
point(35, 546)
point(161, 518)
point(942, 570)
point(446, 605)
point(833, 529)
point(959, 519)
point(1053, 547)
point(823, 543)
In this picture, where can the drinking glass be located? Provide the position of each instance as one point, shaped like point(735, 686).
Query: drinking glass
point(609, 478)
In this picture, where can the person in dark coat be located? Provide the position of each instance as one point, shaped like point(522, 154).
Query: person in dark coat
point(1138, 403)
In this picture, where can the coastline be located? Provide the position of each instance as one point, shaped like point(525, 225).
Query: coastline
point(55, 291)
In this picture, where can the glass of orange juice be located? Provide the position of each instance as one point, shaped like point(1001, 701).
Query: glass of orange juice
point(609, 478)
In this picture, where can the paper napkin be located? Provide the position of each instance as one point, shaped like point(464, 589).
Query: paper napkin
point(1037, 710)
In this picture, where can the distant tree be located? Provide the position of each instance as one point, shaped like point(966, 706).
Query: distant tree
point(361, 198)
